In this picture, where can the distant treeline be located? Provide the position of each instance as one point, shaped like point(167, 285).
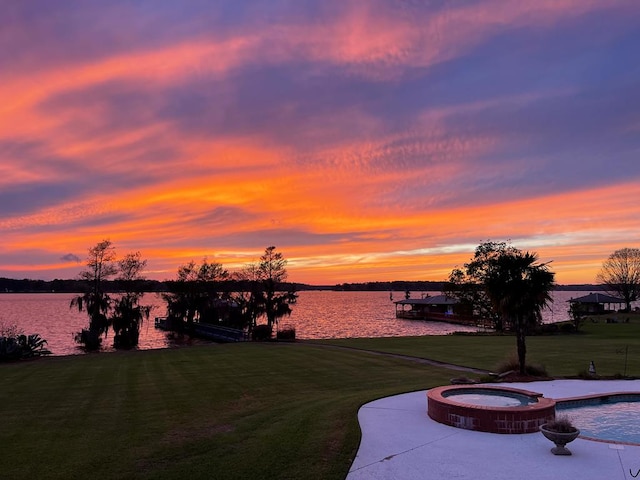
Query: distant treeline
point(396, 286)
point(403, 286)
point(10, 285)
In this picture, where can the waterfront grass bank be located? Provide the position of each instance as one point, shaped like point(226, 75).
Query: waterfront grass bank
point(608, 345)
point(250, 410)
point(221, 411)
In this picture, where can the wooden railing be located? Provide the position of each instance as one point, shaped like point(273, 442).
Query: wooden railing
point(439, 317)
point(218, 332)
point(209, 331)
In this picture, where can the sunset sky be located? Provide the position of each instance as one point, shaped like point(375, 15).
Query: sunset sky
point(367, 140)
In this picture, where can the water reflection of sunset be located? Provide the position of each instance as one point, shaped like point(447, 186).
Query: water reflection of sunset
point(366, 140)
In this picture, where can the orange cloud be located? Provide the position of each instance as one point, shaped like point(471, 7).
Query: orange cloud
point(354, 196)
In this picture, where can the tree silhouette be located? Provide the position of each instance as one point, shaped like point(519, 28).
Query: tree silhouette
point(128, 314)
point(272, 273)
point(263, 296)
point(515, 286)
point(195, 295)
point(620, 274)
point(97, 304)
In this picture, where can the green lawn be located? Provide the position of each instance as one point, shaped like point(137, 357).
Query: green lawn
point(215, 412)
point(268, 411)
point(562, 355)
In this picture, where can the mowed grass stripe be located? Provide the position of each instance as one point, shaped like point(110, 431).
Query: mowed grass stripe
point(221, 411)
point(243, 411)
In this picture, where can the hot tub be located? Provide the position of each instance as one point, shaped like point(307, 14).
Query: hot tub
point(489, 409)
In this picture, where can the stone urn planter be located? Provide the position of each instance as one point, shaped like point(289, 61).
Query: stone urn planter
point(560, 436)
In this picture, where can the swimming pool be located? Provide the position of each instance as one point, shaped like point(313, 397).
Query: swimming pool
point(614, 418)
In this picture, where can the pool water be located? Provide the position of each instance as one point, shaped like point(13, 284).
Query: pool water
point(489, 398)
point(613, 421)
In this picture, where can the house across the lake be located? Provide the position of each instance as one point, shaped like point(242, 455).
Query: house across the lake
point(597, 303)
point(441, 308)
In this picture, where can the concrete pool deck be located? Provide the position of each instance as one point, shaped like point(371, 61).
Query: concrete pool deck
point(400, 442)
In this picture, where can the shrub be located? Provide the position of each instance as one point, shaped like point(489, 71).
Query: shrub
point(89, 339)
point(477, 334)
point(568, 328)
point(512, 364)
point(261, 333)
point(33, 345)
point(22, 346)
point(561, 424)
point(547, 328)
point(9, 349)
point(288, 333)
point(556, 328)
point(536, 370)
point(10, 330)
point(462, 381)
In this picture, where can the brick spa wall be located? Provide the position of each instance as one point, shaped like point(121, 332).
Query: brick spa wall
point(520, 419)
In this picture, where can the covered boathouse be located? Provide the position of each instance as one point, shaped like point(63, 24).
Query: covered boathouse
point(597, 303)
point(440, 308)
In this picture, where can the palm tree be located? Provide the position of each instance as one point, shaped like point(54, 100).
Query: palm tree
point(518, 288)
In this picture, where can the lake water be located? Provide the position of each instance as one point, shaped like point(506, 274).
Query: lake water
point(317, 314)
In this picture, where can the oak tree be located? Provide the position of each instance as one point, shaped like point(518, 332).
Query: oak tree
point(620, 273)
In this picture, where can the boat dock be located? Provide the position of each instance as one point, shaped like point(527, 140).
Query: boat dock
point(208, 331)
point(439, 308)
